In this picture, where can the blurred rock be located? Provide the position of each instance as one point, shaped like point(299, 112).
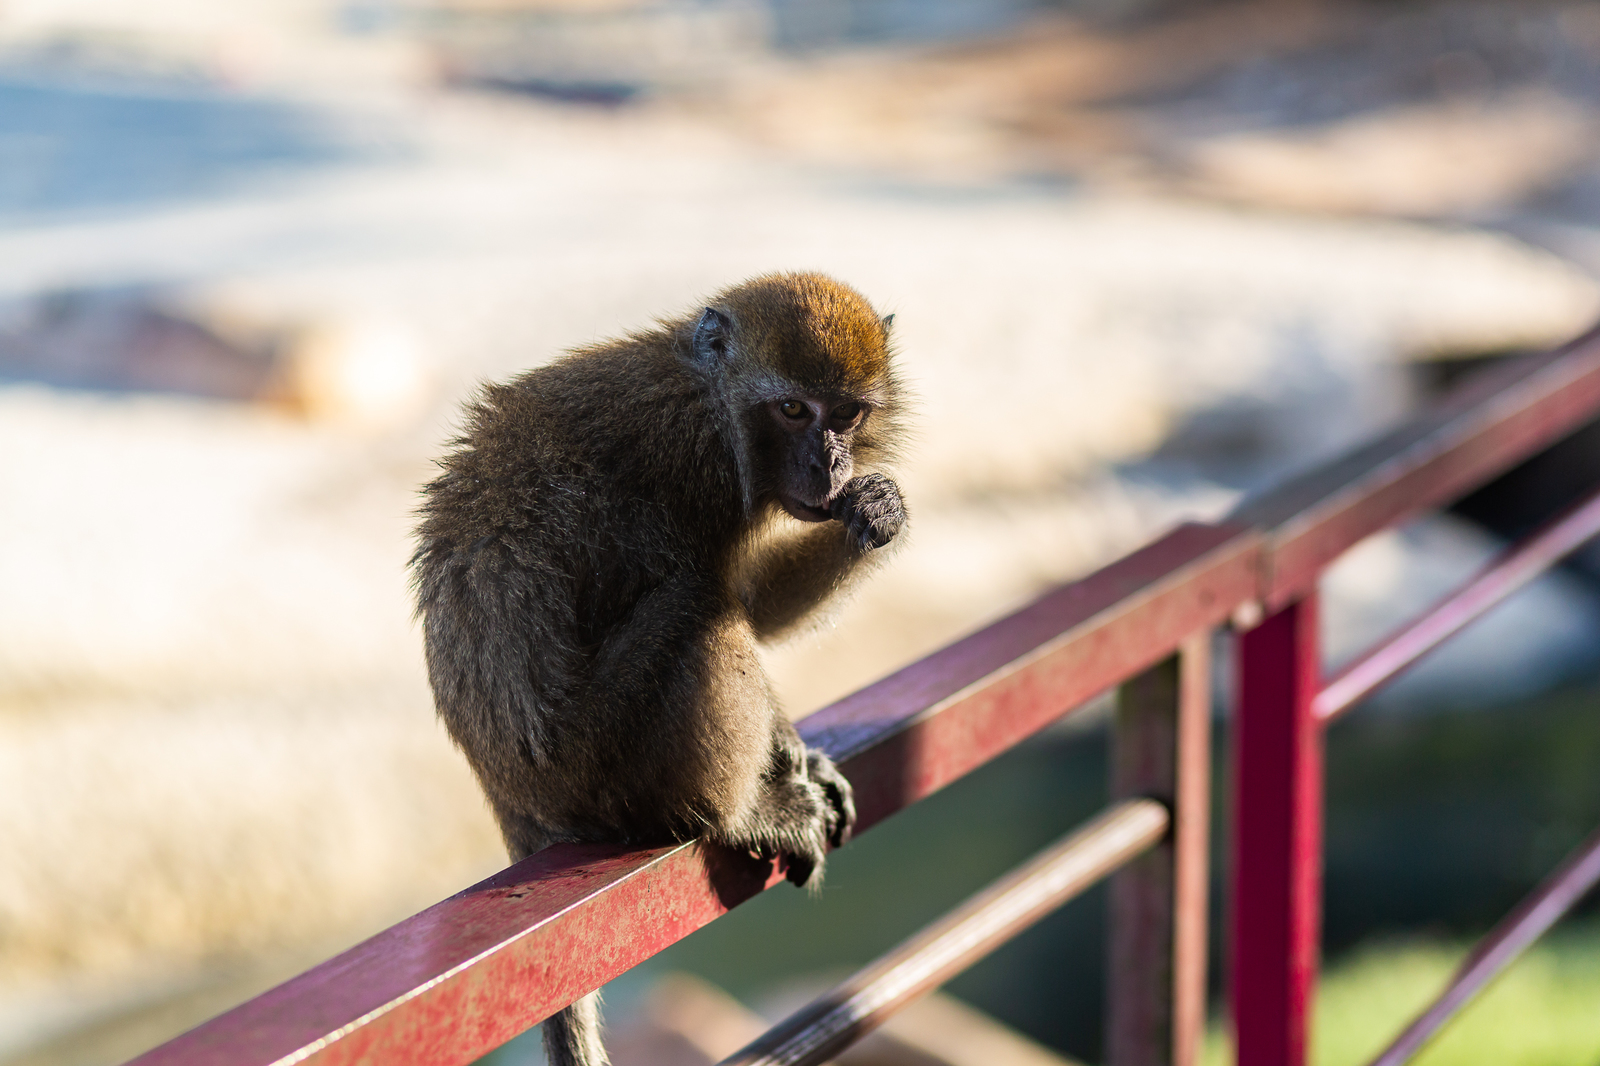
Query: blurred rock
point(1422, 160)
point(596, 53)
point(362, 372)
point(125, 341)
point(1441, 109)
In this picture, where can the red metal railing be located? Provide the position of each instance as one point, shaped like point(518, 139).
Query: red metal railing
point(466, 975)
point(1282, 703)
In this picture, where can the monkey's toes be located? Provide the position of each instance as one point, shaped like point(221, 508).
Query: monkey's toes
point(799, 868)
point(841, 813)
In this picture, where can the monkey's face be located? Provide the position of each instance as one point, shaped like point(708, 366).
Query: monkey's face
point(811, 440)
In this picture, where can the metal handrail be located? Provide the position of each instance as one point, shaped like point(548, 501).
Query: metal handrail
point(515, 948)
point(466, 975)
point(1475, 434)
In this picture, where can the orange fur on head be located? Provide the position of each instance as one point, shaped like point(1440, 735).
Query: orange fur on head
point(819, 332)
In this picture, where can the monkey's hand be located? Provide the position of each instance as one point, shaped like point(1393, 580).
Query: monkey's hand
point(871, 510)
point(840, 817)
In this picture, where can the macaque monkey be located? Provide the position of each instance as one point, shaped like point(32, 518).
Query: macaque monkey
point(609, 540)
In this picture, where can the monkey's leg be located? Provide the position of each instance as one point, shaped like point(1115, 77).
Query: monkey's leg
point(712, 752)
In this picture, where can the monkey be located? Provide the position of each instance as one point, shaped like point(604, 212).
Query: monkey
point(607, 543)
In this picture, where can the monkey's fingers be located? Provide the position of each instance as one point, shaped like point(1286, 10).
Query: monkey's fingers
point(876, 535)
point(843, 802)
point(871, 509)
point(861, 532)
point(861, 529)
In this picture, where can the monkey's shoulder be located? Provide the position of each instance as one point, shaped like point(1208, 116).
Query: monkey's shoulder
point(552, 464)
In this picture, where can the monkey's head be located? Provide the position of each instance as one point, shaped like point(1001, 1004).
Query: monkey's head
point(801, 367)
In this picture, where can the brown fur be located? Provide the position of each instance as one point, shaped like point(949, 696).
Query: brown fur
point(818, 333)
point(604, 549)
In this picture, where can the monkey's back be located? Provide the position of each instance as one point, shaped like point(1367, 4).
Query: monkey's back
point(562, 506)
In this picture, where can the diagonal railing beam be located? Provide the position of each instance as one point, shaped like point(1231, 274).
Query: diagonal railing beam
point(1534, 916)
point(1508, 572)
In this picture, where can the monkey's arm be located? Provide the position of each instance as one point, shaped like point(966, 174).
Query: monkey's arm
point(790, 579)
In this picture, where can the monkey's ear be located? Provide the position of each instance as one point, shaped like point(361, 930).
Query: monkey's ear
point(888, 321)
point(710, 342)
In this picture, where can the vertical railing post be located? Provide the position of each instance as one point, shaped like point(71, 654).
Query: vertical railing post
point(1276, 911)
point(1161, 748)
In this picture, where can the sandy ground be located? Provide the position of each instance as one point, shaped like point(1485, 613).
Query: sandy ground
point(217, 750)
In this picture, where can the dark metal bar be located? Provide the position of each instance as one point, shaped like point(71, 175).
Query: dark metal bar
point(466, 975)
point(1504, 575)
point(1557, 895)
point(1277, 841)
point(1161, 744)
point(818, 1032)
point(1483, 429)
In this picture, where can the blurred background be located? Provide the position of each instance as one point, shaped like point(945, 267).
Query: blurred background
point(1145, 256)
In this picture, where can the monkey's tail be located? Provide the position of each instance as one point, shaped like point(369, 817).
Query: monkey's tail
point(572, 1035)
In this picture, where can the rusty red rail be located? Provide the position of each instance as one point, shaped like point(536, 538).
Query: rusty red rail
point(1479, 432)
point(465, 975)
point(469, 973)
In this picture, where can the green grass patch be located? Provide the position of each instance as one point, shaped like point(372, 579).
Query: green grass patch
point(1543, 1011)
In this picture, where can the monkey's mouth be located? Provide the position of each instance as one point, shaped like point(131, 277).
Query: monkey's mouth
point(805, 512)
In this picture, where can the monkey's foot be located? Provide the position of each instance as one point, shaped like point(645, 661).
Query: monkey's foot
point(828, 823)
point(790, 819)
point(841, 813)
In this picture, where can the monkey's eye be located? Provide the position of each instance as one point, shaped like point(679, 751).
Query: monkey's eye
point(792, 409)
point(847, 413)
